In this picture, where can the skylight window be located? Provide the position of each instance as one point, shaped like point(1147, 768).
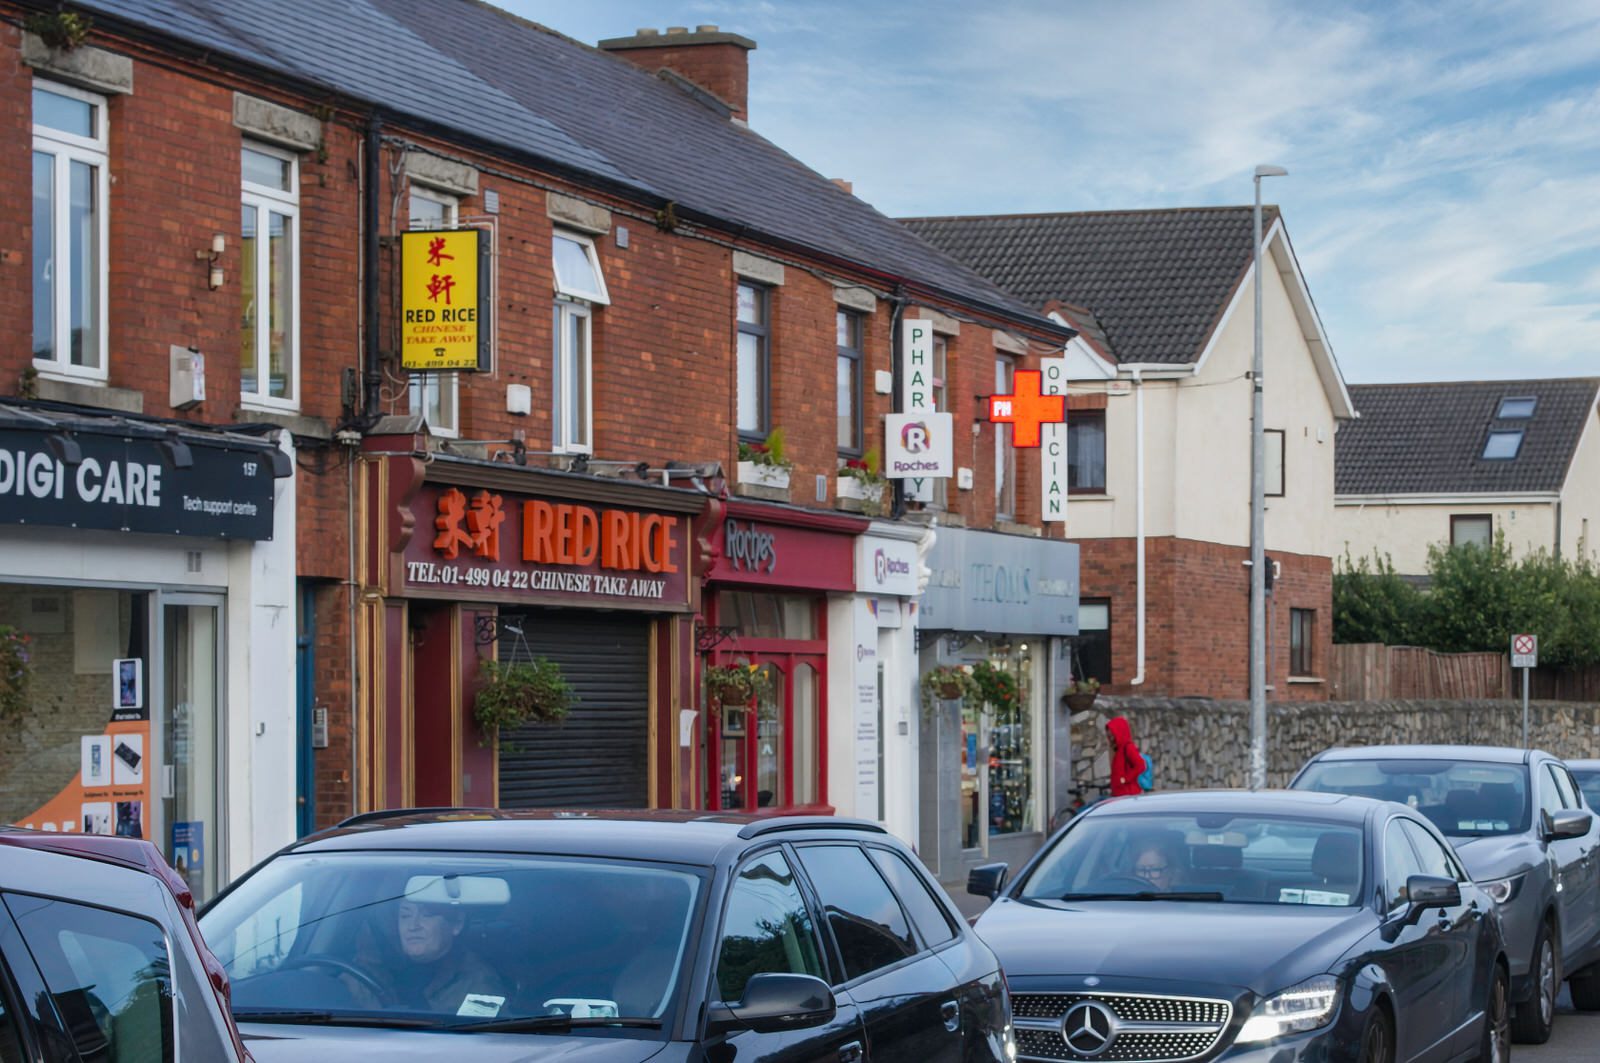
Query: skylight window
point(1502, 446)
point(1515, 409)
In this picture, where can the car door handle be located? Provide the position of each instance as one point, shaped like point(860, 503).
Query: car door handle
point(850, 1053)
point(950, 1011)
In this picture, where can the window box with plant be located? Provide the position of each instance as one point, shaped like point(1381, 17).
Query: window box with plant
point(1080, 696)
point(860, 485)
point(764, 464)
point(514, 694)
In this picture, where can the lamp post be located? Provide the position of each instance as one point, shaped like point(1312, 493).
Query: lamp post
point(1258, 513)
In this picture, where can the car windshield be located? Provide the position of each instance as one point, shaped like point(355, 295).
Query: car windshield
point(1205, 856)
point(1464, 799)
point(1589, 783)
point(450, 939)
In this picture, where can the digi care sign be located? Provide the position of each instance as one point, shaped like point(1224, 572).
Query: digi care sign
point(126, 484)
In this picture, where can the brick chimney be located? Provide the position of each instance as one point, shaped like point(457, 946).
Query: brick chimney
point(712, 60)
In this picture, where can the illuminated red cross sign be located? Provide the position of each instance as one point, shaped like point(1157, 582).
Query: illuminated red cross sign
point(1026, 410)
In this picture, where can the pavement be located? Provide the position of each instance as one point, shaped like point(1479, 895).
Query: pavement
point(1575, 1038)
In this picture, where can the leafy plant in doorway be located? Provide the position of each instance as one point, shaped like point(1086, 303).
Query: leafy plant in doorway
point(997, 686)
point(948, 682)
point(16, 674)
point(514, 694)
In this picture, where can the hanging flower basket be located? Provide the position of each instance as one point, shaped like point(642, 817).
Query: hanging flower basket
point(734, 686)
point(997, 686)
point(515, 694)
point(16, 674)
point(1080, 696)
point(948, 682)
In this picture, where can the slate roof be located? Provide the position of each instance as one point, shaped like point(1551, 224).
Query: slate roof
point(1429, 438)
point(466, 67)
point(1157, 281)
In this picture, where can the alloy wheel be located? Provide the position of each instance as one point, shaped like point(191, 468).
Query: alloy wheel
point(1547, 981)
point(1499, 1019)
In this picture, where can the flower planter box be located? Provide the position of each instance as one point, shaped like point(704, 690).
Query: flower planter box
point(859, 497)
point(754, 480)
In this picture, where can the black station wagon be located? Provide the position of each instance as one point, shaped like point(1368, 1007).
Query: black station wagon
point(605, 935)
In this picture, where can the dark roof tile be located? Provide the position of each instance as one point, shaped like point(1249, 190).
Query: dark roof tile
point(1428, 438)
point(1157, 281)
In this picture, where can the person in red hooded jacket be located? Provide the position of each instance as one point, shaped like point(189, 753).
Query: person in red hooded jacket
point(1127, 764)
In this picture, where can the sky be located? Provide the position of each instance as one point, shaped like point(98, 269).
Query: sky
point(1443, 195)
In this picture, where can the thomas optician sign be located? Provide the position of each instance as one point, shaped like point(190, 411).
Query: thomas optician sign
point(115, 483)
point(1001, 584)
point(475, 543)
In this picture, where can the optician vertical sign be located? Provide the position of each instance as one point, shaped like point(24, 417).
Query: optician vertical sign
point(1053, 455)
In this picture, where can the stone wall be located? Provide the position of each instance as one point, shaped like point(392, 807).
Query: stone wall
point(1198, 743)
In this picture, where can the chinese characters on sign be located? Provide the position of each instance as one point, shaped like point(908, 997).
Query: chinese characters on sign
point(483, 544)
point(441, 326)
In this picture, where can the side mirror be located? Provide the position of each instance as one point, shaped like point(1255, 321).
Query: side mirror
point(1428, 891)
point(1568, 823)
point(986, 881)
point(776, 1002)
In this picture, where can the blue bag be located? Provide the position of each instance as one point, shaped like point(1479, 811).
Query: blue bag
point(1147, 778)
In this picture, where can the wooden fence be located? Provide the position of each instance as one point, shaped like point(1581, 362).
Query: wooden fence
point(1371, 671)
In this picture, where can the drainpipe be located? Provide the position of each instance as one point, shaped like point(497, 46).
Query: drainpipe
point(372, 167)
point(1138, 507)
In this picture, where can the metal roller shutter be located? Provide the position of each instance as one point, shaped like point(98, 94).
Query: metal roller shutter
point(598, 757)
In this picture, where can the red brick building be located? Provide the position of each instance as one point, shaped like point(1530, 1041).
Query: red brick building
point(660, 285)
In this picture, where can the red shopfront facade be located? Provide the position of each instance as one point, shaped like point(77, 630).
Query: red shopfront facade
point(765, 604)
point(468, 561)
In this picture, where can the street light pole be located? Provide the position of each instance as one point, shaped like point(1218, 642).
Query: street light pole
point(1258, 512)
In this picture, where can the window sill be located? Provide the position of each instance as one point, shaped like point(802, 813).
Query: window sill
point(1093, 496)
point(1306, 679)
point(299, 425)
point(82, 391)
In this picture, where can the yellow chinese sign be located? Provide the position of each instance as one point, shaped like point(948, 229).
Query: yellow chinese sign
point(439, 318)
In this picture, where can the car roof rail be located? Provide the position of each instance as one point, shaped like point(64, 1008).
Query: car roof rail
point(777, 824)
point(382, 814)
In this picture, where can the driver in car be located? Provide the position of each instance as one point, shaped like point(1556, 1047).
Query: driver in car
point(440, 973)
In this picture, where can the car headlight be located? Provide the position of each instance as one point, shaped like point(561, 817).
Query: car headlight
point(1503, 890)
point(1295, 1010)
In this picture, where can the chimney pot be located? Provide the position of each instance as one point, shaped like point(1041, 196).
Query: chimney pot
point(647, 31)
point(673, 31)
point(707, 28)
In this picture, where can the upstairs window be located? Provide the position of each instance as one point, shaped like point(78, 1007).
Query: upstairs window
point(1302, 642)
point(580, 287)
point(269, 277)
point(1502, 446)
point(754, 356)
point(435, 395)
point(1472, 530)
point(70, 188)
point(1274, 440)
point(1005, 454)
point(1516, 409)
point(1086, 452)
point(847, 325)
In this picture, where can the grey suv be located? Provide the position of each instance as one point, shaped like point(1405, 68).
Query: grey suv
point(100, 957)
point(1519, 822)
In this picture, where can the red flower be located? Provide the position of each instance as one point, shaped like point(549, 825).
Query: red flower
point(855, 463)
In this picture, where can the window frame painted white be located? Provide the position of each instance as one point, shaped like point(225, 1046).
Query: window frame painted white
point(441, 392)
point(564, 408)
point(286, 202)
point(94, 152)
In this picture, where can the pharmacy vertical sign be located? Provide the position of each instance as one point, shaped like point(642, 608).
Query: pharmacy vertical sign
point(916, 390)
point(1525, 655)
point(1053, 446)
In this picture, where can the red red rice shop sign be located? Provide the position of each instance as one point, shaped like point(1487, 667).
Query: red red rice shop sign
point(478, 544)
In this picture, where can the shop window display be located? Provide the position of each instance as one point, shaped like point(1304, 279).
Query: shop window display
point(77, 760)
point(1010, 708)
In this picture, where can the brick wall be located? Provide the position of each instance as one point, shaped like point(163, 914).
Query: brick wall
point(1197, 604)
